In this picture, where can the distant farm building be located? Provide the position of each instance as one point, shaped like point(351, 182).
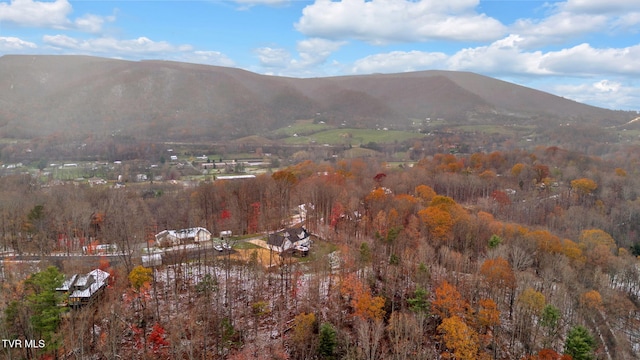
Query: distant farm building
point(100, 249)
point(235, 177)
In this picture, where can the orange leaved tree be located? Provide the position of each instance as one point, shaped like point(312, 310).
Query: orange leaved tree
point(448, 301)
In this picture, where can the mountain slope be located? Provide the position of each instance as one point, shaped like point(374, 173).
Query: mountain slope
point(78, 95)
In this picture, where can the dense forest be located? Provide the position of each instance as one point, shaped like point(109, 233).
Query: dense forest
point(504, 255)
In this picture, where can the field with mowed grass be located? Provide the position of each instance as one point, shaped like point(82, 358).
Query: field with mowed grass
point(354, 137)
point(496, 129)
point(301, 128)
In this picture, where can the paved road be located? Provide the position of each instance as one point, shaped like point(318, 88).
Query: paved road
point(169, 256)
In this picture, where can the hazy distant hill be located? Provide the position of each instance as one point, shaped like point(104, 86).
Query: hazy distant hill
point(78, 95)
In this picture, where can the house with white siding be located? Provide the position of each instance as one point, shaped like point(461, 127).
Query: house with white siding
point(167, 238)
point(291, 238)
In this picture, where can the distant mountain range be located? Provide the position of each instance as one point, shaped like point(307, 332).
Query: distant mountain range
point(78, 95)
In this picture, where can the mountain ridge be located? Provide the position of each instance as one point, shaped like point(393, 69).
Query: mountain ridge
point(42, 95)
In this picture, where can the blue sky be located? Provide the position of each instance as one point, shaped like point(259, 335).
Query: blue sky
point(586, 50)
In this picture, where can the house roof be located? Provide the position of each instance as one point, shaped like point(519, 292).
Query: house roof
point(95, 280)
point(66, 285)
point(293, 235)
point(182, 233)
point(276, 239)
point(298, 232)
point(235, 177)
point(85, 285)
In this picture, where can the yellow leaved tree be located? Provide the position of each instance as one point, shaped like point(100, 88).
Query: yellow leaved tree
point(460, 339)
point(140, 276)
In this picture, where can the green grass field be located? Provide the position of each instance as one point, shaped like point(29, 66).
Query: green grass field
point(302, 128)
point(357, 152)
point(354, 137)
point(495, 129)
point(319, 250)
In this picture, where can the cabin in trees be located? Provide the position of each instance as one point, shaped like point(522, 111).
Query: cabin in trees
point(168, 238)
point(83, 289)
point(292, 239)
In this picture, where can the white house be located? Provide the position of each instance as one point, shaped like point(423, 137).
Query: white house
point(289, 239)
point(279, 243)
point(182, 236)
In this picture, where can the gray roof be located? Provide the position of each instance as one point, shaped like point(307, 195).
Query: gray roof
point(292, 234)
point(84, 286)
point(276, 239)
point(182, 234)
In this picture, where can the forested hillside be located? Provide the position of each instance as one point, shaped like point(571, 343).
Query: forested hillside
point(74, 97)
point(502, 255)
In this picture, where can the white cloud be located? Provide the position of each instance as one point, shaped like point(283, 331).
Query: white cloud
point(627, 22)
point(399, 61)
point(386, 21)
point(310, 61)
point(501, 57)
point(607, 86)
point(206, 57)
point(112, 46)
point(604, 93)
point(10, 44)
point(136, 49)
point(54, 15)
point(558, 28)
point(273, 57)
point(507, 57)
point(584, 60)
point(92, 23)
point(315, 51)
point(36, 13)
point(574, 18)
point(600, 6)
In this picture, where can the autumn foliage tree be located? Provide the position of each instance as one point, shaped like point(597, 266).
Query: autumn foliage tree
point(591, 300)
point(140, 276)
point(425, 193)
point(488, 314)
point(365, 305)
point(438, 222)
point(460, 339)
point(520, 265)
point(583, 186)
point(157, 341)
point(498, 273)
point(530, 306)
point(591, 238)
point(448, 302)
point(303, 339)
point(547, 354)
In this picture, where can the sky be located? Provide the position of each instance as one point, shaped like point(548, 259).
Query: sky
point(584, 50)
